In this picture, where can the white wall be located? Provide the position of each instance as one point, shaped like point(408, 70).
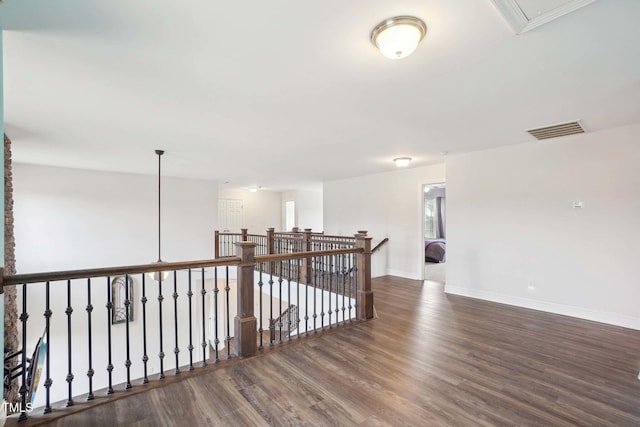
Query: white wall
point(510, 223)
point(260, 210)
point(386, 205)
point(309, 212)
point(309, 206)
point(68, 219)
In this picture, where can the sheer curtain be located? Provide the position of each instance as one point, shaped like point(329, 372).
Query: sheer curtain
point(439, 217)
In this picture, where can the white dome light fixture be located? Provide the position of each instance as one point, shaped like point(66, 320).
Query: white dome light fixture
point(402, 162)
point(399, 36)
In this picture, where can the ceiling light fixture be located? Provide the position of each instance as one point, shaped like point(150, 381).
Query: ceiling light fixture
point(399, 36)
point(402, 161)
point(253, 189)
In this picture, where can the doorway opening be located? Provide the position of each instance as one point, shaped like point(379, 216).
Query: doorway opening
point(434, 209)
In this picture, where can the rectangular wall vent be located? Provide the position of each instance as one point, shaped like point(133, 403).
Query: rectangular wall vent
point(554, 131)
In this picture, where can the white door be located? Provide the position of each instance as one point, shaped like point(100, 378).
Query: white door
point(289, 215)
point(230, 215)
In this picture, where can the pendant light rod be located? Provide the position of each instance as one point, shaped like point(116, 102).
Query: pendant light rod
point(159, 153)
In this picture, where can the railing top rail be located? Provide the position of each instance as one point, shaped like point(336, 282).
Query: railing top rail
point(229, 234)
point(334, 242)
point(306, 254)
point(296, 238)
point(55, 276)
point(379, 245)
point(19, 279)
point(329, 236)
point(257, 235)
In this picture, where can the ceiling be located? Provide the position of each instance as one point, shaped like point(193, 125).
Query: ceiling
point(286, 94)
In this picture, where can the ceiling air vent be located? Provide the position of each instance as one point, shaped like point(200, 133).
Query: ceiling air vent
point(554, 131)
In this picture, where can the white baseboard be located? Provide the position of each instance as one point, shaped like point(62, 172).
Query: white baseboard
point(550, 307)
point(404, 274)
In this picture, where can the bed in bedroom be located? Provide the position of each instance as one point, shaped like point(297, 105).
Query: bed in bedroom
point(434, 250)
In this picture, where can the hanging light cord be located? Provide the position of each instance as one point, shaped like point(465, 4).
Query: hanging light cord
point(159, 153)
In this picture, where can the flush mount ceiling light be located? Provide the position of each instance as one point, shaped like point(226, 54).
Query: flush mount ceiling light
point(253, 189)
point(402, 161)
point(399, 36)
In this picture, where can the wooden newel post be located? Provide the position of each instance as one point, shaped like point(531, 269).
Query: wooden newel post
point(306, 262)
point(270, 248)
point(246, 335)
point(244, 233)
point(216, 244)
point(270, 232)
point(365, 294)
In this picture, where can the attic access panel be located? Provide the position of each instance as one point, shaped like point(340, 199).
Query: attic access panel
point(524, 15)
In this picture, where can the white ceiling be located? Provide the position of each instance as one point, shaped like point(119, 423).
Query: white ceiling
point(533, 8)
point(288, 94)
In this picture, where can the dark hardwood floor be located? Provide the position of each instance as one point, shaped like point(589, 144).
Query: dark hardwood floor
point(429, 359)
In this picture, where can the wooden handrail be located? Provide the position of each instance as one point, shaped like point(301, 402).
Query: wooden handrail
point(385, 240)
point(330, 236)
point(305, 254)
point(19, 279)
point(331, 241)
point(297, 238)
point(54, 276)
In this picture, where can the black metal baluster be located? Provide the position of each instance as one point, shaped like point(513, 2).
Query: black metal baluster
point(344, 288)
point(299, 266)
point(127, 319)
point(350, 258)
point(226, 290)
point(290, 263)
point(216, 340)
point(176, 349)
point(48, 381)
point(337, 287)
point(23, 387)
point(109, 317)
point(355, 292)
point(190, 295)
point(330, 312)
point(322, 287)
point(306, 300)
point(145, 355)
point(315, 294)
point(338, 270)
point(280, 305)
point(90, 371)
point(203, 292)
point(272, 326)
point(68, 312)
point(160, 299)
point(261, 267)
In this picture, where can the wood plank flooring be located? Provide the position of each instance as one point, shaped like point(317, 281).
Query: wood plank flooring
point(429, 359)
